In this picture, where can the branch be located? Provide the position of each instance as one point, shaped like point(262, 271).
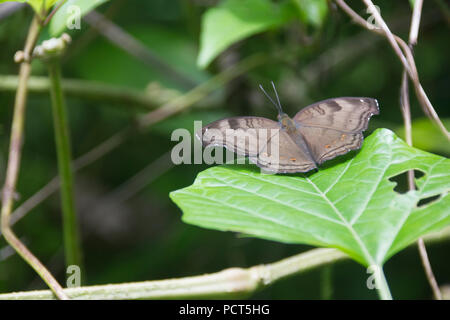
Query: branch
point(92, 90)
point(12, 170)
point(406, 112)
point(231, 283)
point(405, 57)
point(415, 23)
point(196, 94)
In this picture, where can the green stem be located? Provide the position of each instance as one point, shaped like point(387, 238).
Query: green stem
point(326, 282)
point(383, 287)
point(86, 89)
point(233, 283)
point(62, 139)
point(223, 284)
point(13, 167)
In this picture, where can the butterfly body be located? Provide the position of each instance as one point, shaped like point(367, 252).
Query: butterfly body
point(292, 129)
point(317, 133)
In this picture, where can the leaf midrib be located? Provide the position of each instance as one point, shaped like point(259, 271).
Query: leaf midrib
point(252, 213)
point(342, 221)
point(277, 201)
point(361, 244)
point(331, 186)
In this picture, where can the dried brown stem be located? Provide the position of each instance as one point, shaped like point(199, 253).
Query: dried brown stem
point(52, 13)
point(404, 54)
point(406, 112)
point(410, 69)
point(12, 170)
point(405, 108)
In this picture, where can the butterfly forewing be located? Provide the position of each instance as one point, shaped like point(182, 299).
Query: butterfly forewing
point(261, 140)
point(243, 135)
point(348, 115)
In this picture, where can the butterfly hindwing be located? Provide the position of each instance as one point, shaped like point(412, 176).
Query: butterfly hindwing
point(282, 155)
point(325, 144)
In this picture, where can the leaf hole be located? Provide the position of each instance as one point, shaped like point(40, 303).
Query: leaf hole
point(427, 201)
point(401, 181)
point(418, 174)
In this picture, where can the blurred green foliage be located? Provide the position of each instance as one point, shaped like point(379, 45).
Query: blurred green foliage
point(143, 238)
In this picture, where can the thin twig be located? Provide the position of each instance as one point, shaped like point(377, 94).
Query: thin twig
point(411, 70)
point(415, 23)
point(93, 90)
point(196, 94)
point(406, 112)
point(52, 13)
point(388, 34)
point(428, 270)
point(12, 171)
point(229, 283)
point(405, 57)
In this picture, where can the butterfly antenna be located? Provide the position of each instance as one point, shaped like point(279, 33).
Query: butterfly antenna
point(271, 100)
point(276, 94)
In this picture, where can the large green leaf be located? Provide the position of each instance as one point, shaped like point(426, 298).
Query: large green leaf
point(59, 21)
point(350, 205)
point(234, 20)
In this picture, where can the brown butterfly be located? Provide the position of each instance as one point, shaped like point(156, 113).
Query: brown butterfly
point(317, 133)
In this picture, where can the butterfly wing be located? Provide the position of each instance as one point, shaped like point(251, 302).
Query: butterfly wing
point(242, 135)
point(325, 144)
point(261, 140)
point(283, 155)
point(346, 115)
point(333, 127)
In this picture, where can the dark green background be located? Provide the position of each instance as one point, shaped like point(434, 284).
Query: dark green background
point(143, 238)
